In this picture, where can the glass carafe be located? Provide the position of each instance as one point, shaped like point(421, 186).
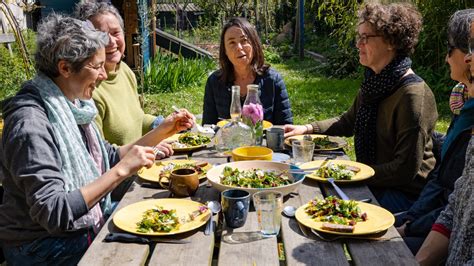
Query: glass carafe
point(235, 133)
point(252, 113)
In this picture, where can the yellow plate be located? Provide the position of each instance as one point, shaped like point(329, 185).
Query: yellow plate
point(153, 173)
point(265, 124)
point(175, 138)
point(128, 217)
point(378, 220)
point(365, 172)
point(341, 143)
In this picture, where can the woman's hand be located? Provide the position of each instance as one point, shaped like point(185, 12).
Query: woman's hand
point(165, 148)
point(176, 122)
point(292, 130)
point(134, 159)
point(401, 229)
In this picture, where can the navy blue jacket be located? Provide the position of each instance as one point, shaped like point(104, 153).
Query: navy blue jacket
point(434, 196)
point(272, 92)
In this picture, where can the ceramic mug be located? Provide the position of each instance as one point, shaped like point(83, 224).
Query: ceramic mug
point(275, 138)
point(235, 207)
point(183, 182)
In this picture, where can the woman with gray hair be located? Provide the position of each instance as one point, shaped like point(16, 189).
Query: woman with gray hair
point(416, 223)
point(58, 171)
point(120, 116)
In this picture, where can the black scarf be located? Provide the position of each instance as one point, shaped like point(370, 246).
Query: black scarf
point(373, 90)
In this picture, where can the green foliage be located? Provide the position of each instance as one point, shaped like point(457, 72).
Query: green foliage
point(13, 71)
point(167, 73)
point(429, 59)
point(271, 54)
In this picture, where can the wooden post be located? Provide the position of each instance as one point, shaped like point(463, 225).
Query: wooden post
point(299, 29)
point(153, 28)
point(257, 23)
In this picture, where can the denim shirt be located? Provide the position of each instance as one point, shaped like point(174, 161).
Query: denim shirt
point(272, 93)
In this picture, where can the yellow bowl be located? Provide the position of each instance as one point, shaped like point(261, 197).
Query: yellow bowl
point(252, 153)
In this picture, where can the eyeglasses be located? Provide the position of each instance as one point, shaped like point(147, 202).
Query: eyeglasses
point(450, 49)
point(364, 38)
point(471, 45)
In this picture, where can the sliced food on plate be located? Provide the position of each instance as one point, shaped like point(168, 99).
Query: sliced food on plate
point(159, 219)
point(338, 171)
point(188, 140)
point(337, 215)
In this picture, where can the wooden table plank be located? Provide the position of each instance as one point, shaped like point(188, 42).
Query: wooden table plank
point(101, 253)
point(301, 250)
point(259, 252)
point(199, 251)
point(392, 252)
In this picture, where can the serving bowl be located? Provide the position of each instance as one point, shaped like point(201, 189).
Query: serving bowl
point(248, 153)
point(214, 174)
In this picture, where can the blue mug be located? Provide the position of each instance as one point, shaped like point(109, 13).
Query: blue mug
point(235, 207)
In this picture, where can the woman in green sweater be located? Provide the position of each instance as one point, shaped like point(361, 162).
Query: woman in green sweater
point(394, 113)
point(120, 117)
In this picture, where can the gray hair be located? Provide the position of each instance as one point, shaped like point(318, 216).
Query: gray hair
point(65, 38)
point(86, 10)
point(459, 29)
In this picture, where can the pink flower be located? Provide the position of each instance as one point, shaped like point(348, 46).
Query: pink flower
point(253, 111)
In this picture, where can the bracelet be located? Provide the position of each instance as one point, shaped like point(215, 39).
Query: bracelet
point(307, 129)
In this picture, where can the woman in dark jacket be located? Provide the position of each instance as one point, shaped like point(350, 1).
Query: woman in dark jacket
point(242, 63)
point(433, 199)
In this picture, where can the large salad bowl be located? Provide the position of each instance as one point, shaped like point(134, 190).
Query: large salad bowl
point(214, 175)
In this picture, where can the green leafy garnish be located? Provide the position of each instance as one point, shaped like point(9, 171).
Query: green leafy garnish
point(192, 139)
point(336, 171)
point(254, 178)
point(158, 220)
point(334, 210)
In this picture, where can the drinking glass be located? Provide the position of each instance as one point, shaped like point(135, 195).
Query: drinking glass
point(302, 151)
point(268, 205)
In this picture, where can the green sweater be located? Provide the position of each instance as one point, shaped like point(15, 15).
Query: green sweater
point(405, 122)
point(120, 118)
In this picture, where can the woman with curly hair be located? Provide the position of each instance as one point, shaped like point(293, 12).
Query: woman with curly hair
point(394, 113)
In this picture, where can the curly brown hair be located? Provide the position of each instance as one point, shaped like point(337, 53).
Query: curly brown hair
point(399, 24)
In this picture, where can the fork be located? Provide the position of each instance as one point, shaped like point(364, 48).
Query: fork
point(196, 127)
point(156, 151)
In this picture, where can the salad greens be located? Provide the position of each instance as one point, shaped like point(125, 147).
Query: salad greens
point(336, 171)
point(254, 178)
point(158, 220)
point(192, 139)
point(324, 143)
point(334, 210)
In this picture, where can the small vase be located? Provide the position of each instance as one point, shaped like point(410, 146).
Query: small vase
point(252, 113)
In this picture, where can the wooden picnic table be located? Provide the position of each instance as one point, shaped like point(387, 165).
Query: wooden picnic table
point(291, 247)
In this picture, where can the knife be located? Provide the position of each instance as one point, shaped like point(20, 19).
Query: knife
point(130, 238)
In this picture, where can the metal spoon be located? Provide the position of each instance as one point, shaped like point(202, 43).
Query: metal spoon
point(289, 211)
point(215, 208)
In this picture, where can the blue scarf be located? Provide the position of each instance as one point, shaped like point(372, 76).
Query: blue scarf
point(78, 167)
point(463, 121)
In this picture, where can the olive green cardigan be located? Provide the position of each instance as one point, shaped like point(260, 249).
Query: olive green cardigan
point(405, 122)
point(120, 117)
